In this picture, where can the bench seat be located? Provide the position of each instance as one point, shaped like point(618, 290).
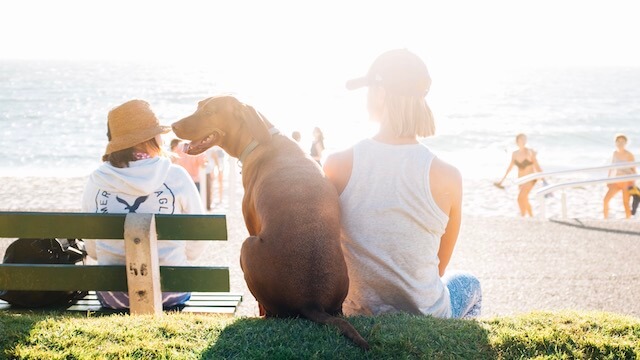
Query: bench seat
point(209, 285)
point(223, 303)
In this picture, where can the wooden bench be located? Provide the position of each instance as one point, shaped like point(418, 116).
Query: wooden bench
point(142, 277)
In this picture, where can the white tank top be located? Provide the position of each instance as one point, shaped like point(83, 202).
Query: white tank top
point(393, 228)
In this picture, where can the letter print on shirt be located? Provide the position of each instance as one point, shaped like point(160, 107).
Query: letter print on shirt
point(161, 201)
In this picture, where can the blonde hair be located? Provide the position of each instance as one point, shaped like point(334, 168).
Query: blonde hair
point(408, 116)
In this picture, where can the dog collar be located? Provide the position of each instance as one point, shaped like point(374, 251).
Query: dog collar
point(252, 146)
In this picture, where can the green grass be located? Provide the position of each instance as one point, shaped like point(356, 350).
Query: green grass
point(563, 335)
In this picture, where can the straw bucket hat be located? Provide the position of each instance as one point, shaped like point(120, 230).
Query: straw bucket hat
point(130, 124)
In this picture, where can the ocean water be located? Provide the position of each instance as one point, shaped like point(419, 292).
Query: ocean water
point(53, 118)
point(53, 114)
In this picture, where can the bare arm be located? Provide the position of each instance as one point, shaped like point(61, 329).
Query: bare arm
point(508, 169)
point(337, 167)
point(447, 192)
point(536, 165)
point(632, 159)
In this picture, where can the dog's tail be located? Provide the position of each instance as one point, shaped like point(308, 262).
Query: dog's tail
point(320, 316)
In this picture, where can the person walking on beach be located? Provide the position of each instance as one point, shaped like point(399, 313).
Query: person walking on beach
point(527, 162)
point(401, 205)
point(620, 155)
point(136, 177)
point(192, 163)
point(215, 171)
point(317, 145)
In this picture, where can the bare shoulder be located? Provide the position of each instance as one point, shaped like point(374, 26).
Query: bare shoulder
point(446, 182)
point(338, 161)
point(629, 155)
point(446, 171)
point(337, 167)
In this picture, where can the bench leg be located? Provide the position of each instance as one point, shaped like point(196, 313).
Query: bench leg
point(143, 269)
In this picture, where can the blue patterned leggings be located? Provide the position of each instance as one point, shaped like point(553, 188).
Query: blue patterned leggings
point(120, 299)
point(465, 294)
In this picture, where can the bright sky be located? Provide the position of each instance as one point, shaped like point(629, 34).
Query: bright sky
point(282, 33)
point(319, 42)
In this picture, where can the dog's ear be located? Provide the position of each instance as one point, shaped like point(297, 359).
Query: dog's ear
point(257, 126)
point(267, 122)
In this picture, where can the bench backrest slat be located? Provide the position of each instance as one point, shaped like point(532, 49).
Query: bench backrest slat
point(53, 277)
point(107, 226)
point(108, 277)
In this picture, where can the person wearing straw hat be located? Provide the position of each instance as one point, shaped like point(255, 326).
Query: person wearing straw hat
point(401, 205)
point(137, 177)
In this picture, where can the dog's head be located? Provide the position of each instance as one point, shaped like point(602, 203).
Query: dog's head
point(224, 121)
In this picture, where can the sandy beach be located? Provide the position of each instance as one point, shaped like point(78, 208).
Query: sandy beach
point(523, 264)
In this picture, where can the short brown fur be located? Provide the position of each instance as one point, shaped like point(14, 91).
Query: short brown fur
point(292, 261)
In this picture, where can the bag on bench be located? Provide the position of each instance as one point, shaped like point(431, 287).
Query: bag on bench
point(43, 251)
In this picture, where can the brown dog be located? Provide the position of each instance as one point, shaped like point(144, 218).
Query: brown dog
point(292, 260)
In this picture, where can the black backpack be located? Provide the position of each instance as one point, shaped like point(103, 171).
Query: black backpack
point(43, 251)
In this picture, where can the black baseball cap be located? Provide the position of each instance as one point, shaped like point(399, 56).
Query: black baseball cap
point(399, 72)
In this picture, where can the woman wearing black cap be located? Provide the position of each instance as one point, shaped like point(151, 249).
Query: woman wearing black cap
point(401, 204)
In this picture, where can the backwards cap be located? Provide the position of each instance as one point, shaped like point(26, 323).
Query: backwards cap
point(399, 72)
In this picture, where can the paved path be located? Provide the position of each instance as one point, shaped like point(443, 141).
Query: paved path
point(527, 265)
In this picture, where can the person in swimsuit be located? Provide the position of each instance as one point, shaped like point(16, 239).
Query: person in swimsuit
point(620, 155)
point(526, 161)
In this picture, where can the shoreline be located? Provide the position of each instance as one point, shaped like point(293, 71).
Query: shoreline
point(480, 197)
point(523, 264)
